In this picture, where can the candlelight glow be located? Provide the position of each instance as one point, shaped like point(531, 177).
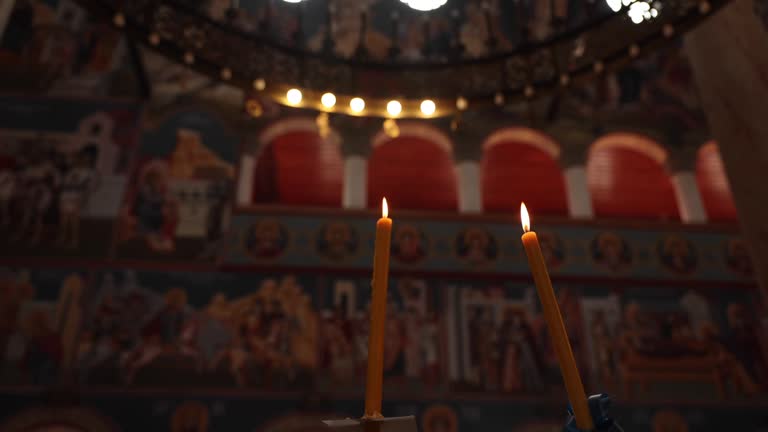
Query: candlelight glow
point(524, 218)
point(384, 208)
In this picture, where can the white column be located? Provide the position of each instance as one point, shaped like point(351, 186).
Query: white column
point(577, 192)
point(245, 178)
point(355, 194)
point(6, 7)
point(688, 197)
point(470, 194)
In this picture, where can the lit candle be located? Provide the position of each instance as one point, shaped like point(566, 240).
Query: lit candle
point(373, 388)
point(554, 319)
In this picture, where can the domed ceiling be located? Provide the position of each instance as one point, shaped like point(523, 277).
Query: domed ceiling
point(397, 33)
point(464, 54)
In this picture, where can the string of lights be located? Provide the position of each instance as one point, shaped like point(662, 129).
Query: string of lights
point(343, 87)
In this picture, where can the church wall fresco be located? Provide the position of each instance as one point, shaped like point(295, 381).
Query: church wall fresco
point(267, 307)
point(64, 165)
point(179, 200)
point(73, 175)
point(290, 240)
point(272, 320)
point(134, 331)
point(53, 47)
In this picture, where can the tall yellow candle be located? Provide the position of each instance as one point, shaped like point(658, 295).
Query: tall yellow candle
point(374, 383)
point(557, 333)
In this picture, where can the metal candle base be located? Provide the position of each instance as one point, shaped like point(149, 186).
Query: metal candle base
point(384, 424)
point(599, 405)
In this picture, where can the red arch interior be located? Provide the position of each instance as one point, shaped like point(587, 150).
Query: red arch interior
point(626, 183)
point(412, 173)
point(516, 171)
point(299, 168)
point(713, 184)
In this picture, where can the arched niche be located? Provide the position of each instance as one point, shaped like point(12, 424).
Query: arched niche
point(520, 165)
point(295, 165)
point(627, 178)
point(413, 171)
point(713, 184)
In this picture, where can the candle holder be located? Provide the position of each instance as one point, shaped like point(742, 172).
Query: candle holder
point(599, 405)
point(373, 421)
point(382, 424)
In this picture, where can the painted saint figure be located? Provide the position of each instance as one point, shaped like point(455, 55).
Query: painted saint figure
point(8, 185)
point(76, 187)
point(39, 180)
point(155, 208)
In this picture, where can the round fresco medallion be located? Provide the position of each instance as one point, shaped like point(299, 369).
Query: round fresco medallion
point(476, 246)
point(337, 241)
point(610, 251)
point(540, 426)
point(299, 423)
point(677, 254)
point(737, 257)
point(409, 244)
point(553, 249)
point(190, 416)
point(266, 239)
point(669, 421)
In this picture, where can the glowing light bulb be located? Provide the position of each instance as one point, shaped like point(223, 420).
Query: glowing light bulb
point(424, 5)
point(528, 91)
point(598, 67)
point(357, 105)
point(294, 96)
point(254, 108)
point(328, 100)
point(461, 103)
point(637, 12)
point(394, 108)
point(615, 5)
point(119, 20)
point(428, 107)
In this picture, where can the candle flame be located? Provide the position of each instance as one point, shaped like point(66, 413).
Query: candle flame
point(524, 218)
point(384, 208)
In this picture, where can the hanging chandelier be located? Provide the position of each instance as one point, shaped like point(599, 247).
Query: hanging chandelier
point(637, 10)
point(424, 5)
